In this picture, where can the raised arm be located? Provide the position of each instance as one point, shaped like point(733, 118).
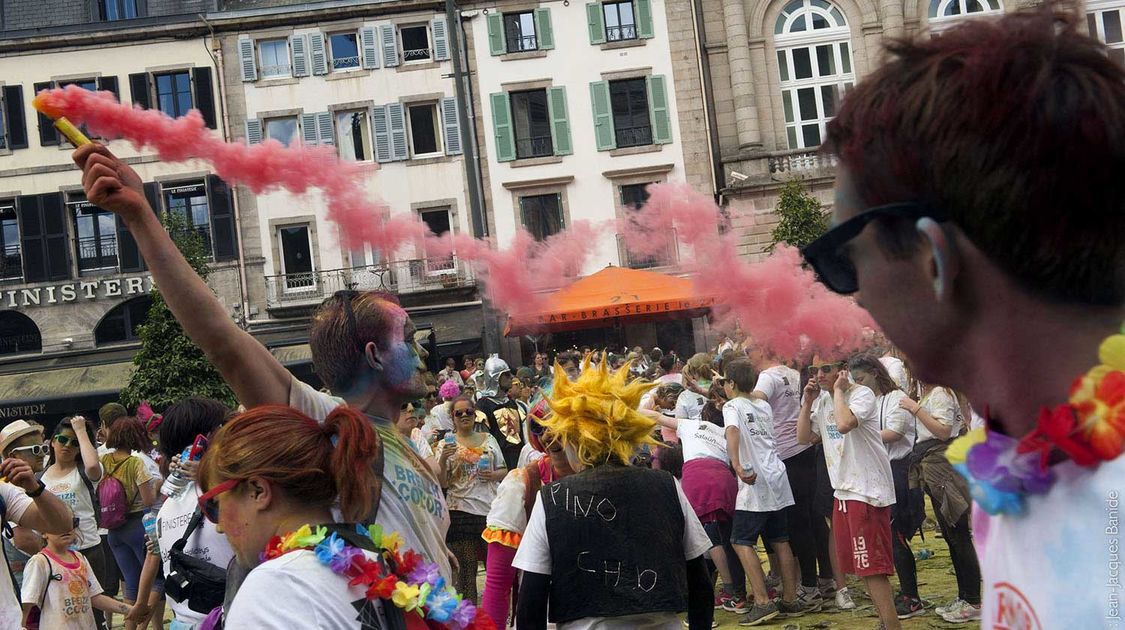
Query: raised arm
point(251, 371)
point(661, 419)
point(845, 418)
point(805, 434)
point(93, 467)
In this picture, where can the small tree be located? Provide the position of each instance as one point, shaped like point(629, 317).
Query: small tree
point(802, 217)
point(169, 366)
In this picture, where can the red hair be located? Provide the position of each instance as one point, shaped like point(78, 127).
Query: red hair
point(311, 463)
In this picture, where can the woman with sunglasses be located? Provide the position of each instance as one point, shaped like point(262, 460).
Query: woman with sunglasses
point(72, 474)
point(271, 479)
point(126, 541)
point(407, 426)
point(471, 466)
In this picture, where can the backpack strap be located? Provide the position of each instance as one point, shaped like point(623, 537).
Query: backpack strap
point(50, 576)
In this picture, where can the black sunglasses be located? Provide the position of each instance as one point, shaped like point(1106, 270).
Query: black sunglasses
point(828, 255)
point(824, 369)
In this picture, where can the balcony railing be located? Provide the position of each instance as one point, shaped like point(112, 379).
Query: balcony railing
point(345, 63)
point(522, 43)
point(538, 146)
point(618, 33)
point(273, 72)
point(633, 136)
point(801, 161)
point(670, 255)
point(94, 253)
point(400, 276)
point(415, 54)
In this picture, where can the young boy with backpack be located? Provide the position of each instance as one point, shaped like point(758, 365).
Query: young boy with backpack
point(60, 590)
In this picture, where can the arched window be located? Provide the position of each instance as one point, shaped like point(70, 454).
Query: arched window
point(814, 60)
point(18, 334)
point(941, 10)
point(121, 322)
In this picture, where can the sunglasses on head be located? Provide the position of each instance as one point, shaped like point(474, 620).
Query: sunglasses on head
point(66, 441)
point(823, 369)
point(37, 450)
point(828, 254)
point(208, 501)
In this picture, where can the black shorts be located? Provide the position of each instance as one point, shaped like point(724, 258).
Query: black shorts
point(772, 527)
point(718, 532)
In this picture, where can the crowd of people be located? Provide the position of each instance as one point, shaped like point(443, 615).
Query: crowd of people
point(978, 216)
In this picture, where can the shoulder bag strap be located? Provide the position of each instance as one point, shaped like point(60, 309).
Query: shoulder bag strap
point(196, 519)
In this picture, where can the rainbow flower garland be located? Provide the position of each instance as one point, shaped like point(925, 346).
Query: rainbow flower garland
point(403, 578)
point(1089, 429)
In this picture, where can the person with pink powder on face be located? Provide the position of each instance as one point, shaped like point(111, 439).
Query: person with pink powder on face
point(363, 348)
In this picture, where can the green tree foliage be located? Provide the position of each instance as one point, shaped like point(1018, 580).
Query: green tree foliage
point(169, 366)
point(802, 217)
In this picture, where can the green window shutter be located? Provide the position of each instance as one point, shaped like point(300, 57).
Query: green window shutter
point(644, 18)
point(560, 122)
point(543, 31)
point(596, 22)
point(603, 116)
point(502, 127)
point(496, 34)
point(658, 110)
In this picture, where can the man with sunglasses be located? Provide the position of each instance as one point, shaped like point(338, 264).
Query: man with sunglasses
point(844, 417)
point(980, 218)
point(23, 440)
point(363, 348)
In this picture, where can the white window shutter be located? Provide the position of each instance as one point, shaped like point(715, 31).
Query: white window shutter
point(308, 129)
point(451, 125)
point(369, 46)
point(390, 45)
point(319, 53)
point(324, 127)
point(396, 116)
point(298, 47)
point(246, 57)
point(381, 125)
point(253, 131)
point(441, 39)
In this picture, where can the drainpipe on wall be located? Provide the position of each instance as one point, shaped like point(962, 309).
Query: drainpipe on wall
point(464, 120)
point(216, 53)
point(720, 179)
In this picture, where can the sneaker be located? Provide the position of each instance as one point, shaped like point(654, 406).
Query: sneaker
point(907, 607)
point(720, 597)
point(810, 599)
point(760, 613)
point(790, 609)
point(827, 587)
point(736, 605)
point(772, 581)
point(714, 624)
point(952, 606)
point(844, 599)
point(964, 614)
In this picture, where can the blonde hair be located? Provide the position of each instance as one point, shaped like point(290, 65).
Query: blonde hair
point(596, 414)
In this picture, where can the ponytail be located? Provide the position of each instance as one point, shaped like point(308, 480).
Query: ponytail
point(356, 445)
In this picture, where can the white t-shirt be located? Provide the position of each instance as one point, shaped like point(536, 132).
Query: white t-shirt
point(468, 492)
point(858, 465)
point(689, 405)
point(297, 591)
point(528, 454)
point(16, 502)
point(412, 502)
point(757, 450)
point(899, 420)
point(534, 554)
point(66, 605)
point(897, 369)
point(73, 492)
point(702, 439)
point(206, 543)
point(781, 386)
point(943, 407)
point(1058, 565)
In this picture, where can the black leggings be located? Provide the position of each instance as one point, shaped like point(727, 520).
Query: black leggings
point(904, 522)
point(807, 530)
point(959, 538)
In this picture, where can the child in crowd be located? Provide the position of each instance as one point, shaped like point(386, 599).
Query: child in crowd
point(763, 493)
point(60, 590)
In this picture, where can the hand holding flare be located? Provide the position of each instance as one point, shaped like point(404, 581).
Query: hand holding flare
point(65, 127)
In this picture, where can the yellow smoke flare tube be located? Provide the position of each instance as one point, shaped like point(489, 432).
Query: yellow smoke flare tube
point(65, 127)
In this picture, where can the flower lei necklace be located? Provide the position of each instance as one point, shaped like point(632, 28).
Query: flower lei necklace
point(1089, 428)
point(403, 578)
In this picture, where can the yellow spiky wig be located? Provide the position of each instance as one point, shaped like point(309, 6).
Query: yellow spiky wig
point(597, 416)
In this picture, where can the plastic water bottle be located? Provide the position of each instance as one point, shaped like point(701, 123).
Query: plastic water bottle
point(923, 554)
point(176, 482)
point(149, 522)
point(484, 464)
point(451, 439)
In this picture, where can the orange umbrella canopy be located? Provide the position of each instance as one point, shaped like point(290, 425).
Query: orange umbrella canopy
point(611, 294)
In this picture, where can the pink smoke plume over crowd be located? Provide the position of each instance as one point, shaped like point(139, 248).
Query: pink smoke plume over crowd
point(777, 302)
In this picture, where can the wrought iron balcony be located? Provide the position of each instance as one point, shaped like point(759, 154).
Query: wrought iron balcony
point(345, 63)
point(666, 258)
point(522, 43)
point(535, 146)
point(618, 33)
point(415, 54)
point(399, 276)
point(633, 136)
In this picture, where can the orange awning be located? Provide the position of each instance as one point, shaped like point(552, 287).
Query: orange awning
point(612, 294)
